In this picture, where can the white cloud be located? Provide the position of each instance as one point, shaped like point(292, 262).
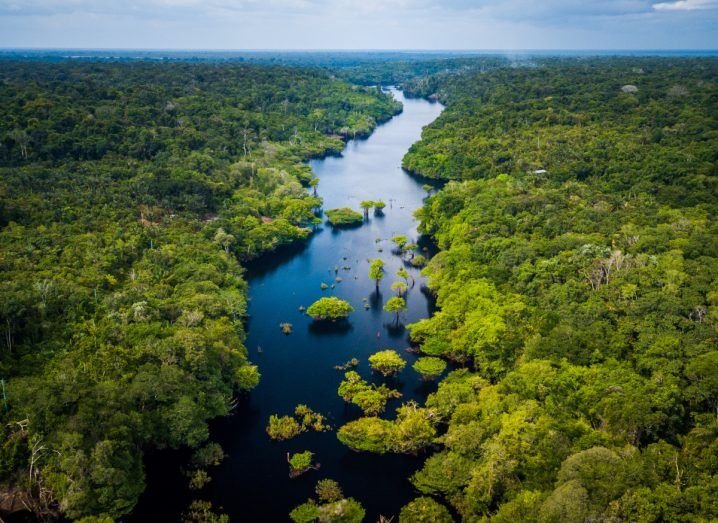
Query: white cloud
point(686, 5)
point(418, 24)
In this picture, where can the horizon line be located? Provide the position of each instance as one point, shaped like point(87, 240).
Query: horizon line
point(340, 50)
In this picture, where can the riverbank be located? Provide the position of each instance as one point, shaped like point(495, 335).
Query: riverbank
point(253, 483)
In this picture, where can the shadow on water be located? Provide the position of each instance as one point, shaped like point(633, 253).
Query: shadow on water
point(252, 484)
point(376, 300)
point(395, 330)
point(319, 328)
point(271, 261)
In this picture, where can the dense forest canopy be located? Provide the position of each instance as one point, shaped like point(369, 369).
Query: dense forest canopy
point(128, 193)
point(576, 279)
point(577, 288)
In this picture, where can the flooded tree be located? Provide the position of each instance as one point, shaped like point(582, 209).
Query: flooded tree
point(429, 367)
point(376, 271)
point(331, 505)
point(300, 462)
point(343, 217)
point(425, 510)
point(400, 288)
point(387, 362)
point(404, 275)
point(366, 205)
point(313, 184)
point(331, 308)
point(396, 305)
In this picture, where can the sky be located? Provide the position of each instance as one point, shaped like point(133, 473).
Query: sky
point(360, 24)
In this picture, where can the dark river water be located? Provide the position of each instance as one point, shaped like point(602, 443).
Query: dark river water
point(252, 484)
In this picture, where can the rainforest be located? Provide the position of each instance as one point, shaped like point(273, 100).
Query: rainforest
point(345, 287)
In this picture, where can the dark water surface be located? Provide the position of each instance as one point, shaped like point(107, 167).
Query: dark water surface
point(252, 484)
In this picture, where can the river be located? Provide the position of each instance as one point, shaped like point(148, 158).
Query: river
point(252, 483)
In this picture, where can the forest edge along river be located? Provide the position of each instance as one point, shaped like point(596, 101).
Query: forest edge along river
point(253, 483)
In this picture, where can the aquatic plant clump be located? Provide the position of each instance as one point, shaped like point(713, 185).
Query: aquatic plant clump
point(343, 217)
point(282, 428)
point(331, 308)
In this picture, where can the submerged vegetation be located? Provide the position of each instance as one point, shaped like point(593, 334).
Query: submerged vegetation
point(343, 217)
point(331, 308)
point(330, 505)
point(281, 428)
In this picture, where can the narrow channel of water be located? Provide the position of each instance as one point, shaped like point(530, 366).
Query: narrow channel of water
point(252, 484)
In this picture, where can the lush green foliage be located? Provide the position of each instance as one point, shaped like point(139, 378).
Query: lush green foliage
point(300, 462)
point(376, 270)
point(583, 300)
point(331, 506)
point(287, 427)
point(429, 367)
point(331, 308)
point(411, 431)
point(400, 288)
point(387, 362)
point(328, 490)
point(343, 217)
point(395, 304)
point(127, 192)
point(425, 510)
point(371, 399)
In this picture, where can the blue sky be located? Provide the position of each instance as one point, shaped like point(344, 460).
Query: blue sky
point(360, 24)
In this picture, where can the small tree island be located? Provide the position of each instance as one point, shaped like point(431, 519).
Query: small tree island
point(343, 217)
point(429, 367)
point(331, 308)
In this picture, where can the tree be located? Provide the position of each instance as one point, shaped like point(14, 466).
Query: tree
point(330, 308)
point(299, 463)
point(371, 399)
point(223, 239)
point(429, 367)
point(418, 260)
point(424, 510)
point(343, 217)
point(283, 427)
point(209, 455)
point(201, 512)
point(404, 274)
point(328, 491)
point(21, 138)
point(396, 305)
point(367, 434)
point(366, 205)
point(387, 362)
point(330, 506)
point(400, 288)
point(428, 189)
point(400, 241)
point(313, 183)
point(413, 429)
point(287, 427)
point(379, 207)
point(376, 271)
point(702, 372)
